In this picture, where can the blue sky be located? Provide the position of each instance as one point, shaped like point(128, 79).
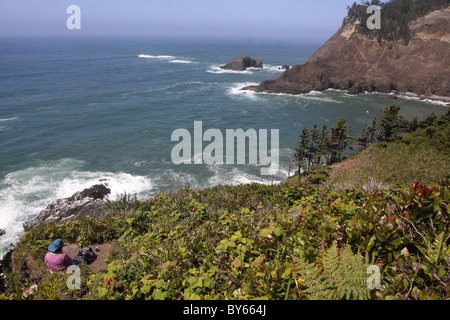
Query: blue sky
point(285, 19)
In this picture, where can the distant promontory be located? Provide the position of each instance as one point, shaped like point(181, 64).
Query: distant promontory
point(356, 62)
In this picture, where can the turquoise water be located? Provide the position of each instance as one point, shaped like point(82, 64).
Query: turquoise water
point(78, 112)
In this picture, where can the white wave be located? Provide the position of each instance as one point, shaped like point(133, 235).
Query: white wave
point(313, 95)
point(168, 58)
point(437, 102)
point(180, 61)
point(319, 96)
point(413, 97)
point(24, 193)
point(155, 57)
point(170, 179)
point(9, 119)
point(224, 176)
point(272, 68)
point(236, 89)
point(216, 69)
point(119, 183)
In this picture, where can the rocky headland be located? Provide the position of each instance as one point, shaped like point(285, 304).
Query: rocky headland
point(90, 201)
point(356, 63)
point(241, 64)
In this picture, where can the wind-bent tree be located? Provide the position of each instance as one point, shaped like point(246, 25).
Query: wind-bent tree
point(340, 139)
point(318, 147)
point(390, 125)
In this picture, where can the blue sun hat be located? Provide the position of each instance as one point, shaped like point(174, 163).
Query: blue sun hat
point(56, 245)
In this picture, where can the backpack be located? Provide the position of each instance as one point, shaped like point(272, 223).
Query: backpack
point(85, 254)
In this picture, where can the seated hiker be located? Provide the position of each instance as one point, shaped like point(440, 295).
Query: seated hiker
point(55, 259)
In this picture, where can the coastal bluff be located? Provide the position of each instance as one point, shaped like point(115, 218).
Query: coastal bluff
point(356, 63)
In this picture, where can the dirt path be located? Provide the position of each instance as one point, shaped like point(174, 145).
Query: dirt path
point(100, 250)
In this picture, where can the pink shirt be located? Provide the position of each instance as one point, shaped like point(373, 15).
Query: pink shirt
point(57, 262)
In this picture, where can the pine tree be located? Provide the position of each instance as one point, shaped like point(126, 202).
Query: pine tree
point(301, 152)
point(315, 147)
point(390, 125)
point(339, 140)
point(324, 144)
point(366, 138)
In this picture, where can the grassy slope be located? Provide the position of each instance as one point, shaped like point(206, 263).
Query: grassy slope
point(256, 241)
point(423, 156)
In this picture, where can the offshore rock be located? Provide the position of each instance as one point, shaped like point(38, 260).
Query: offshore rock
point(89, 202)
point(241, 64)
point(356, 63)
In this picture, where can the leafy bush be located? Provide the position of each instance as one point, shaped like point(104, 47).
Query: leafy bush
point(248, 246)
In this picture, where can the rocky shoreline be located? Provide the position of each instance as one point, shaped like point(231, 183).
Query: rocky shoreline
point(352, 62)
point(392, 95)
point(90, 201)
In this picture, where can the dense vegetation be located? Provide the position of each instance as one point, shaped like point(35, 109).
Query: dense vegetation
point(407, 139)
point(420, 150)
point(395, 16)
point(294, 240)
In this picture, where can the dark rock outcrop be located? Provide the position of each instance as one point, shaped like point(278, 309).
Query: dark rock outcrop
point(89, 202)
point(241, 64)
point(285, 67)
point(350, 61)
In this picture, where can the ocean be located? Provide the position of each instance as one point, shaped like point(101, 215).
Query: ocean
point(77, 112)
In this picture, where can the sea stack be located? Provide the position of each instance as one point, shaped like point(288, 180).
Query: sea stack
point(241, 64)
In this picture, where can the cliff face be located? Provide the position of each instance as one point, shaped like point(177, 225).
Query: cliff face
point(350, 61)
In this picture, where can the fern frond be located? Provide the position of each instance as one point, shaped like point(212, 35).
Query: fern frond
point(311, 276)
point(435, 250)
point(353, 274)
point(343, 275)
point(331, 260)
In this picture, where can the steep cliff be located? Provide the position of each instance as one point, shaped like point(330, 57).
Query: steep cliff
point(354, 62)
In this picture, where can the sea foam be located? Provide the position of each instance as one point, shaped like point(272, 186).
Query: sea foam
point(24, 193)
point(215, 68)
point(147, 56)
point(180, 61)
point(167, 58)
point(236, 89)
